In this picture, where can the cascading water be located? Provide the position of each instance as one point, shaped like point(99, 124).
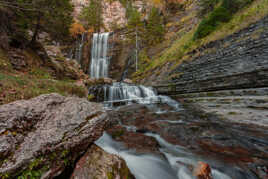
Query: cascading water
point(123, 93)
point(99, 61)
point(173, 161)
point(77, 51)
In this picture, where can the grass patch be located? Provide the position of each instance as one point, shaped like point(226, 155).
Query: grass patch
point(4, 62)
point(17, 86)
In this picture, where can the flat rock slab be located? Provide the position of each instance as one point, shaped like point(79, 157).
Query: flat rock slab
point(242, 109)
point(41, 136)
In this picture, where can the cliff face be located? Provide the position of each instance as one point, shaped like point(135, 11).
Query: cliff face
point(227, 77)
point(113, 13)
point(235, 62)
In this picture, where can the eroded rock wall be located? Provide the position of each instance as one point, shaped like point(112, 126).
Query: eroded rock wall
point(236, 62)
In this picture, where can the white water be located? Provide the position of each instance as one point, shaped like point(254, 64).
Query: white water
point(77, 52)
point(147, 166)
point(141, 166)
point(179, 158)
point(129, 94)
point(99, 61)
point(79, 48)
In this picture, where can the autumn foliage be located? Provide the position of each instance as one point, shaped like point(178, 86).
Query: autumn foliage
point(76, 29)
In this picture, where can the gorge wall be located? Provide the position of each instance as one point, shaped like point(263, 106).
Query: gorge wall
point(227, 77)
point(236, 62)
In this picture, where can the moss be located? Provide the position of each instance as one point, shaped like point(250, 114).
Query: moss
point(4, 176)
point(232, 113)
point(4, 61)
point(110, 175)
point(121, 170)
point(237, 100)
point(124, 172)
point(172, 87)
point(34, 170)
point(64, 153)
point(210, 94)
point(90, 97)
point(118, 133)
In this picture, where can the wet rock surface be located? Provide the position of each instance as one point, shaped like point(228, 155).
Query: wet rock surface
point(41, 136)
point(236, 149)
point(134, 141)
point(98, 164)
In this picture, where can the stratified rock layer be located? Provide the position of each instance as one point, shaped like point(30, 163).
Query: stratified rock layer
point(43, 135)
point(97, 164)
point(238, 61)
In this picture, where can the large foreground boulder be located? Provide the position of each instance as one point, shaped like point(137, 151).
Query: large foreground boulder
point(98, 164)
point(43, 136)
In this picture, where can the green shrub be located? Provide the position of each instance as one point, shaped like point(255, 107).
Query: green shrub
point(207, 6)
point(219, 15)
point(209, 24)
point(234, 5)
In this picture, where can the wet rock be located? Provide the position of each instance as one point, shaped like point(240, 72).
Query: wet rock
point(43, 135)
point(98, 164)
point(201, 133)
point(133, 140)
point(203, 171)
point(128, 81)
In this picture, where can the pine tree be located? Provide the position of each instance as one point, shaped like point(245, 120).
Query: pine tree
point(135, 25)
point(91, 15)
point(154, 29)
point(51, 16)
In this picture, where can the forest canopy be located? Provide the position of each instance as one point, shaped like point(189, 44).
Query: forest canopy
point(51, 16)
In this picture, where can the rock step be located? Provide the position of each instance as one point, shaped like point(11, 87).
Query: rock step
point(241, 100)
point(223, 93)
point(244, 109)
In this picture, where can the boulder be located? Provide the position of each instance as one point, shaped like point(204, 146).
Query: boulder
point(203, 171)
point(42, 136)
point(98, 164)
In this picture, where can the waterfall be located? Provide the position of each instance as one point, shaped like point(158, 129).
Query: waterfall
point(79, 48)
point(123, 93)
point(99, 61)
point(77, 52)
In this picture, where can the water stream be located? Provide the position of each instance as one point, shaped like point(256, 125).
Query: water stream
point(127, 94)
point(139, 108)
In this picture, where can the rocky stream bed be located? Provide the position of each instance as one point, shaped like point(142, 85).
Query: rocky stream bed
point(175, 144)
point(53, 137)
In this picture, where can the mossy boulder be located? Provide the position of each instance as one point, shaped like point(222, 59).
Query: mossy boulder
point(98, 164)
point(42, 136)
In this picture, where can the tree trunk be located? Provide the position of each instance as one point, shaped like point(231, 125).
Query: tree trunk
point(37, 28)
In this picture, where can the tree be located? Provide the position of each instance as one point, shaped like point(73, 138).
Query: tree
point(135, 25)
point(155, 29)
point(76, 29)
point(92, 15)
point(51, 16)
